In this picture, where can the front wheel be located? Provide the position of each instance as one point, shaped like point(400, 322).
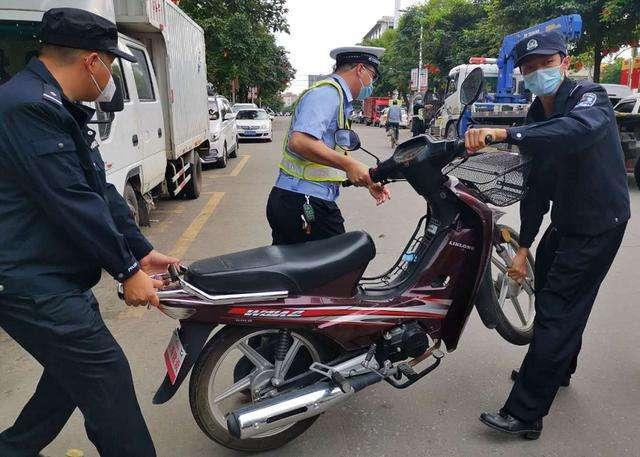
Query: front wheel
point(236, 368)
point(514, 304)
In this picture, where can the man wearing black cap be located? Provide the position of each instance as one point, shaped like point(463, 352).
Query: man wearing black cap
point(302, 204)
point(571, 129)
point(60, 225)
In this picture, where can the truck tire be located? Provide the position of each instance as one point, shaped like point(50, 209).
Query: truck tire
point(192, 189)
point(636, 173)
point(131, 198)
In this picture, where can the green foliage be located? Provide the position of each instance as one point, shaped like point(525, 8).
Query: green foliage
point(240, 43)
point(611, 72)
point(454, 30)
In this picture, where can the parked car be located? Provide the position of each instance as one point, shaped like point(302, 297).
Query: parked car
point(254, 124)
point(617, 92)
point(223, 133)
point(628, 118)
point(238, 106)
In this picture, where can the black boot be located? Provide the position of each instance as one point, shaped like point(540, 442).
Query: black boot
point(565, 382)
point(504, 422)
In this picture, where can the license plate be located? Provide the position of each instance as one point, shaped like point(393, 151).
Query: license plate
point(250, 133)
point(174, 356)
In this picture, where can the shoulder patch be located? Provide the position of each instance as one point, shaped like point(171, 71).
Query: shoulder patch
point(588, 99)
point(52, 94)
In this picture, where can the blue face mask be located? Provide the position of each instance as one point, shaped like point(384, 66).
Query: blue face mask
point(365, 91)
point(544, 81)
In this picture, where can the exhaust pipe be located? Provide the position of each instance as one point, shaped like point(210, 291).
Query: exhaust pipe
point(287, 409)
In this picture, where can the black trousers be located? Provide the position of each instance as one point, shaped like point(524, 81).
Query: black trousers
point(84, 367)
point(284, 209)
point(570, 269)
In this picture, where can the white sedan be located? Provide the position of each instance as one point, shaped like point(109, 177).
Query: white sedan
point(254, 124)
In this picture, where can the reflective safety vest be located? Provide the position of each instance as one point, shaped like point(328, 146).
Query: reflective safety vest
point(299, 167)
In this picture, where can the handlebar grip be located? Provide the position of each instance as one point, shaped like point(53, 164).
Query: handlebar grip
point(347, 183)
point(375, 175)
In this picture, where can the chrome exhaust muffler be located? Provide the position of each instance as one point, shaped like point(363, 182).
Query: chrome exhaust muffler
point(287, 409)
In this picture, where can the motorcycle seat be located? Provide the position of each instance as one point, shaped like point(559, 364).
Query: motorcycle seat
point(296, 268)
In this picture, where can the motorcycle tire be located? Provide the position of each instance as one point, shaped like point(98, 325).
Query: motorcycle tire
point(517, 336)
point(199, 392)
point(636, 172)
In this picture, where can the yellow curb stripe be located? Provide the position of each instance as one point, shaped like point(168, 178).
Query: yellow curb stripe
point(238, 168)
point(194, 229)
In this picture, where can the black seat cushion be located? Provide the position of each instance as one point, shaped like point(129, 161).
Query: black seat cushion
point(296, 268)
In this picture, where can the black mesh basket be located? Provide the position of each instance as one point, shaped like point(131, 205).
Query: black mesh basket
point(499, 177)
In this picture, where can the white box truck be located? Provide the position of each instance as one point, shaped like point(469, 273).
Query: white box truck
point(151, 148)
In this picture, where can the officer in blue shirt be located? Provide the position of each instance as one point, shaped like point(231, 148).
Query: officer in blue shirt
point(302, 204)
point(61, 223)
point(572, 130)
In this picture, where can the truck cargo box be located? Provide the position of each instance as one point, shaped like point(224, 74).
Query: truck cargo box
point(177, 51)
point(33, 10)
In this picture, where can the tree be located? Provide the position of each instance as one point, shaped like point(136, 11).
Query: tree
point(611, 72)
point(240, 43)
point(607, 24)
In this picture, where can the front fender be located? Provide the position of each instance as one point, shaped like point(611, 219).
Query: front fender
point(485, 300)
point(193, 336)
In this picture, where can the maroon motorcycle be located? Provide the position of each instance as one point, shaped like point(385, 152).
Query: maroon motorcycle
point(303, 330)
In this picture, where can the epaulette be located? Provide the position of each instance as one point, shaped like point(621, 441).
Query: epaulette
point(52, 94)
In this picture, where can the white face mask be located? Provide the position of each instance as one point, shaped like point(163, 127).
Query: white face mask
point(106, 94)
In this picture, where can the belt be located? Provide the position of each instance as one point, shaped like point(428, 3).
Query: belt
point(324, 191)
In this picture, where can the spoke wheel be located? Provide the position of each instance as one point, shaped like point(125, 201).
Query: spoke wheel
point(236, 368)
point(514, 303)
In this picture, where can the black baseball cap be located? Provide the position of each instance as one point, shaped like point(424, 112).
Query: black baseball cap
point(80, 29)
point(546, 44)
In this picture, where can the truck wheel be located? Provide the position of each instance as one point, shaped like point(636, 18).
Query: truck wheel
point(192, 189)
point(636, 172)
point(131, 198)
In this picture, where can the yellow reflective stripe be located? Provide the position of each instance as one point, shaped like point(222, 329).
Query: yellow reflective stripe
point(306, 169)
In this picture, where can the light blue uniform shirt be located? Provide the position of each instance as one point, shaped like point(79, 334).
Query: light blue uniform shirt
point(395, 114)
point(317, 115)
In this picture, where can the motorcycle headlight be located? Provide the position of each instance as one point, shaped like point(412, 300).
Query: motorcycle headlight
point(175, 312)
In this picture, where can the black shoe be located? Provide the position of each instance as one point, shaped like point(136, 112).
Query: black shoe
point(504, 422)
point(565, 382)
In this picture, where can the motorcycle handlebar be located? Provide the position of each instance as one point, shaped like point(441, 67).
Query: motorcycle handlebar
point(459, 148)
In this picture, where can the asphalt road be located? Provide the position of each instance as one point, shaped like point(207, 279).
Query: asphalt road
point(596, 416)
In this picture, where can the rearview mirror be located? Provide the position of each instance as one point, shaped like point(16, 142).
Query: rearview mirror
point(471, 87)
point(229, 116)
point(347, 139)
point(117, 102)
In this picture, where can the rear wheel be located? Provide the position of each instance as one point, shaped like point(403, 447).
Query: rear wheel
point(234, 369)
point(193, 187)
point(636, 172)
point(514, 303)
point(131, 198)
point(234, 153)
point(222, 163)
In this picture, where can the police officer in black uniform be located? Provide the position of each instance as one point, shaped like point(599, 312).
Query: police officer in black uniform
point(60, 224)
point(573, 131)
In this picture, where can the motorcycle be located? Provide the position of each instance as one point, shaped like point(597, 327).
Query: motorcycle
point(303, 330)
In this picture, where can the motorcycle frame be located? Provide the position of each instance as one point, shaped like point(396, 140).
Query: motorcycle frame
point(354, 319)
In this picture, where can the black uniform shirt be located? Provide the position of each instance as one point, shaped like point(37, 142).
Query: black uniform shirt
point(590, 195)
point(60, 221)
